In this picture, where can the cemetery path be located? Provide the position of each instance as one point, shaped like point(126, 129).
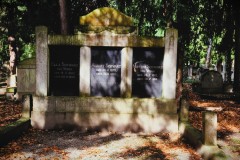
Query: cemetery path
point(38, 144)
point(42, 144)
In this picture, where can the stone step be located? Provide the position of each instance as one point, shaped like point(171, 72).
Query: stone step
point(3, 91)
point(2, 97)
point(3, 84)
point(3, 75)
point(11, 89)
point(2, 79)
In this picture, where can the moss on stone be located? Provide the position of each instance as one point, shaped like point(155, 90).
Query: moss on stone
point(106, 17)
point(28, 61)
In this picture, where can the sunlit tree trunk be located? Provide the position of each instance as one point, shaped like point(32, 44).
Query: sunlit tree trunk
point(13, 54)
point(228, 67)
point(208, 58)
point(179, 75)
point(229, 41)
point(63, 16)
point(237, 59)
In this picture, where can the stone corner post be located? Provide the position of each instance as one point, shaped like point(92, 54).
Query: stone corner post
point(184, 110)
point(126, 72)
point(85, 71)
point(209, 128)
point(42, 61)
point(27, 105)
point(170, 64)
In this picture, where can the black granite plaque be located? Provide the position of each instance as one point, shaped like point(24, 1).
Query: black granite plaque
point(147, 72)
point(64, 70)
point(105, 71)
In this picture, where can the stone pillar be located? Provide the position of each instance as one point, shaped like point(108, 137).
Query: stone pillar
point(27, 106)
point(184, 110)
point(209, 128)
point(190, 71)
point(126, 72)
point(224, 72)
point(42, 61)
point(85, 71)
point(170, 64)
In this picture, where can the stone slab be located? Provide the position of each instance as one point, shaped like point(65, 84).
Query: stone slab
point(110, 105)
point(26, 80)
point(13, 130)
point(105, 122)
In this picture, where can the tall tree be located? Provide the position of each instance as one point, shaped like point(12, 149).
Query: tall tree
point(236, 10)
point(208, 59)
point(226, 44)
point(63, 17)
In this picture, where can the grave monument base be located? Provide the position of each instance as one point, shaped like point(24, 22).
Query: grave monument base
point(150, 115)
point(90, 80)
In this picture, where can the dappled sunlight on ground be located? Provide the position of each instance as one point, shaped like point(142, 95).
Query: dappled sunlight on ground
point(104, 145)
point(228, 130)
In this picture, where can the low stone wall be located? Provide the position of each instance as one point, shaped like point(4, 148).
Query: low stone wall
point(112, 114)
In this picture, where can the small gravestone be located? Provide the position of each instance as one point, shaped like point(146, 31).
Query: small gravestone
point(105, 71)
point(211, 82)
point(64, 70)
point(147, 72)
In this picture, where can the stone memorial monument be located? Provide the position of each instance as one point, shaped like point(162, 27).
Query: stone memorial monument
point(105, 77)
point(211, 82)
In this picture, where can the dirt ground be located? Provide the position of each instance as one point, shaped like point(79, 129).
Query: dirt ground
point(55, 145)
point(10, 111)
point(43, 144)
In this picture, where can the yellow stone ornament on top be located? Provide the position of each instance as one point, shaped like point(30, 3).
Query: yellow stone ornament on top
point(106, 17)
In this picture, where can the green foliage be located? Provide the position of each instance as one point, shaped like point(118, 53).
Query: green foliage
point(196, 21)
point(3, 48)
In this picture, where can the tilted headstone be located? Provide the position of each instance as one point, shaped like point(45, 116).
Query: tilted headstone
point(211, 82)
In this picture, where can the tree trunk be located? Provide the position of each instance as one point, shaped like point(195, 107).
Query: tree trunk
point(12, 54)
point(237, 48)
point(228, 67)
point(208, 59)
point(237, 59)
point(63, 17)
point(179, 75)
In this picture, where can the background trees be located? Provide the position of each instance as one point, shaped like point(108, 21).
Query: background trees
point(198, 22)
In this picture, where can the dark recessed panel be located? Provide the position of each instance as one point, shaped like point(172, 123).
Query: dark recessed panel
point(147, 72)
point(64, 70)
point(105, 71)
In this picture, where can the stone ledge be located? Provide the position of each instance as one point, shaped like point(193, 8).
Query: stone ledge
point(13, 130)
point(210, 109)
point(108, 40)
point(106, 121)
point(104, 105)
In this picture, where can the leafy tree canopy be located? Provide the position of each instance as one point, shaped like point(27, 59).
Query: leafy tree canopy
point(197, 22)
